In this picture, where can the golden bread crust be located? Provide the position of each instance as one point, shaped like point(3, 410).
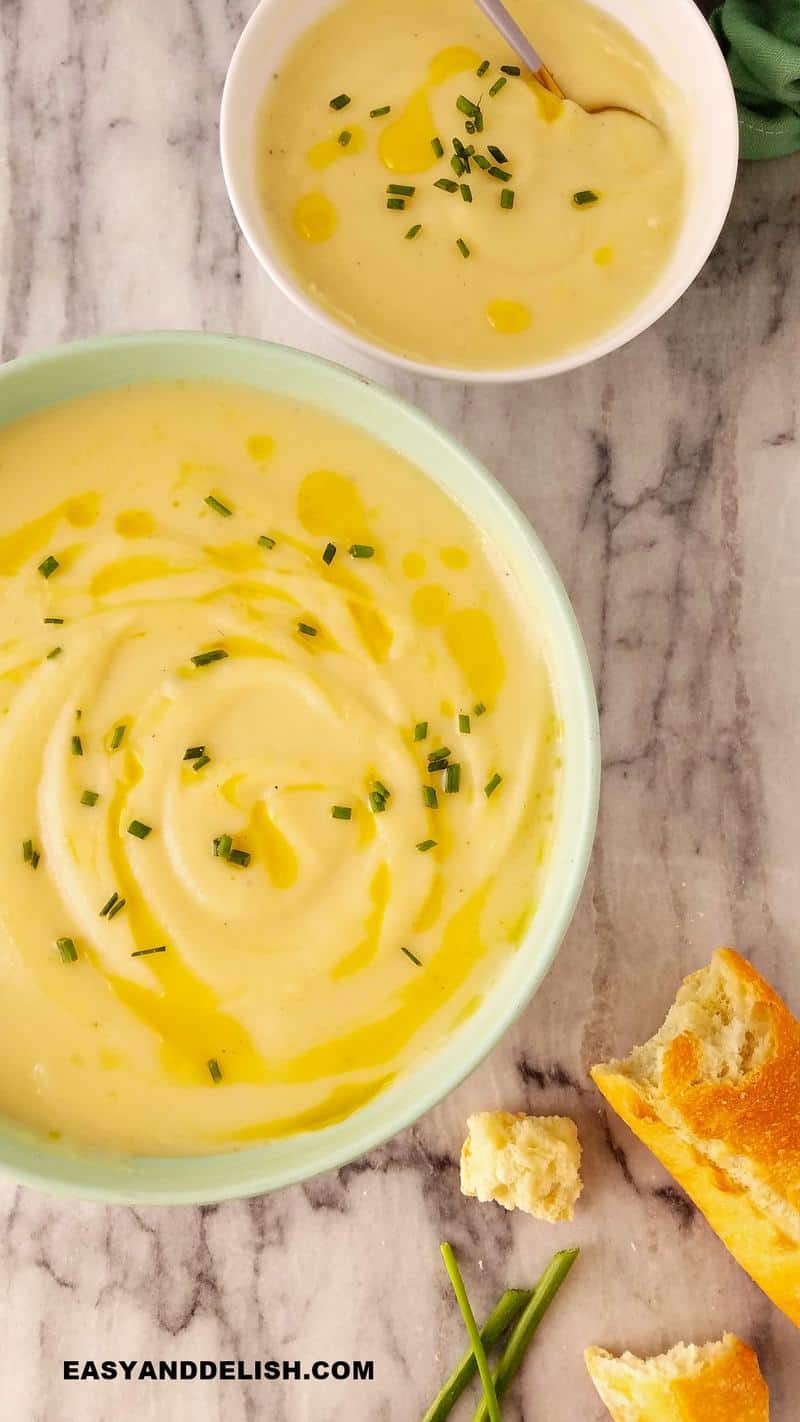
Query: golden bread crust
point(726, 1387)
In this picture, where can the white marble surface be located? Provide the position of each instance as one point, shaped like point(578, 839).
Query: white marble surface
point(664, 480)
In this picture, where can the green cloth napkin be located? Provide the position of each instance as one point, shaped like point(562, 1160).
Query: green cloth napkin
point(761, 40)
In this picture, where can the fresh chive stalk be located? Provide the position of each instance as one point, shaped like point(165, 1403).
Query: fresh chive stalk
point(479, 709)
point(344, 137)
point(464, 723)
point(482, 161)
point(329, 553)
point(240, 857)
point(306, 629)
point(526, 1325)
point(89, 797)
point(441, 754)
point(446, 184)
point(452, 779)
point(223, 846)
point(214, 1068)
point(401, 189)
point(265, 541)
point(497, 153)
point(377, 802)
point(204, 659)
point(412, 956)
point(55, 621)
point(513, 69)
point(342, 812)
point(108, 905)
point(505, 1312)
point(48, 566)
point(425, 844)
point(146, 952)
point(201, 762)
point(362, 550)
point(194, 752)
point(413, 232)
point(77, 745)
point(498, 85)
point(438, 147)
point(117, 736)
point(340, 101)
point(502, 174)
point(466, 106)
point(457, 165)
point(462, 1298)
point(482, 68)
point(507, 198)
point(396, 204)
point(139, 830)
point(379, 113)
point(420, 730)
point(466, 192)
point(585, 197)
point(53, 653)
point(491, 785)
point(462, 247)
point(117, 908)
point(429, 796)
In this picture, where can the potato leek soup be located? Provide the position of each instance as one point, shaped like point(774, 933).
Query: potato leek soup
point(448, 207)
point(279, 763)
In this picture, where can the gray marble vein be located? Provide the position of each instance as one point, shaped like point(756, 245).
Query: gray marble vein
point(664, 481)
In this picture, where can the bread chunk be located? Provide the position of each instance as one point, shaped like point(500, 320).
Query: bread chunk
point(718, 1382)
point(529, 1163)
point(715, 1094)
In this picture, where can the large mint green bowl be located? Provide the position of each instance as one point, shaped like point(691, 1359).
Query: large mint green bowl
point(36, 381)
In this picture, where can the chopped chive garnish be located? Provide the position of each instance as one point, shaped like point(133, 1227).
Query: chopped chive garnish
point(469, 126)
point(145, 952)
point(420, 730)
point(498, 85)
point(54, 652)
point(223, 846)
point(48, 567)
point(344, 137)
point(89, 797)
point(413, 231)
point(396, 204)
point(452, 779)
point(341, 812)
point(117, 908)
point(479, 709)
point(265, 541)
point(482, 68)
point(194, 752)
point(438, 147)
point(27, 851)
point(361, 550)
point(466, 192)
point(217, 505)
point(306, 629)
point(426, 844)
point(117, 736)
point(401, 189)
point(201, 761)
point(78, 713)
point(240, 857)
point(54, 621)
point(204, 659)
point(139, 830)
point(507, 197)
point(381, 789)
point(430, 798)
point(446, 184)
point(329, 553)
point(340, 102)
point(67, 949)
point(107, 907)
point(478, 122)
point(377, 802)
point(442, 754)
point(35, 857)
point(501, 173)
point(412, 956)
point(462, 247)
point(463, 723)
point(510, 68)
point(492, 785)
point(434, 765)
point(497, 153)
point(584, 197)
point(466, 106)
point(481, 161)
point(457, 165)
point(77, 745)
point(214, 1068)
point(379, 113)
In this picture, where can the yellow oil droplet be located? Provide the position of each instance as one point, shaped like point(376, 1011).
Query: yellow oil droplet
point(446, 707)
point(271, 847)
point(340, 1103)
point(329, 505)
point(315, 217)
point(29, 539)
point(472, 643)
point(364, 952)
point(508, 317)
point(453, 557)
point(550, 106)
point(374, 630)
point(330, 150)
point(135, 523)
point(236, 557)
point(430, 604)
point(405, 145)
point(432, 907)
point(413, 565)
point(126, 572)
point(109, 1059)
point(83, 511)
point(260, 447)
point(603, 256)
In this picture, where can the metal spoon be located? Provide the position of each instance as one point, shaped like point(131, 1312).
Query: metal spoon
point(507, 26)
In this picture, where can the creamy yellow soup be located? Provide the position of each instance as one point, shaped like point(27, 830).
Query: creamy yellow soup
point(541, 249)
point(241, 891)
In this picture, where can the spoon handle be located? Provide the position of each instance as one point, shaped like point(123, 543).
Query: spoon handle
point(496, 11)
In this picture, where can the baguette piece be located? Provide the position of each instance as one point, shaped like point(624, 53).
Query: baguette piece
point(715, 1094)
point(719, 1382)
point(530, 1163)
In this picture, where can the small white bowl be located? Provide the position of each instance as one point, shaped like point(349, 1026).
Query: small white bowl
point(675, 33)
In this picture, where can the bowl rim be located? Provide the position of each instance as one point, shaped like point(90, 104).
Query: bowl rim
point(640, 319)
point(34, 1161)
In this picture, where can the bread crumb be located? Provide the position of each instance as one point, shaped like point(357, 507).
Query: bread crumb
point(529, 1163)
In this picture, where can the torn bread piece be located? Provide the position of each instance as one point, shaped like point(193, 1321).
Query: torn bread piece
point(529, 1163)
point(715, 1094)
point(718, 1382)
